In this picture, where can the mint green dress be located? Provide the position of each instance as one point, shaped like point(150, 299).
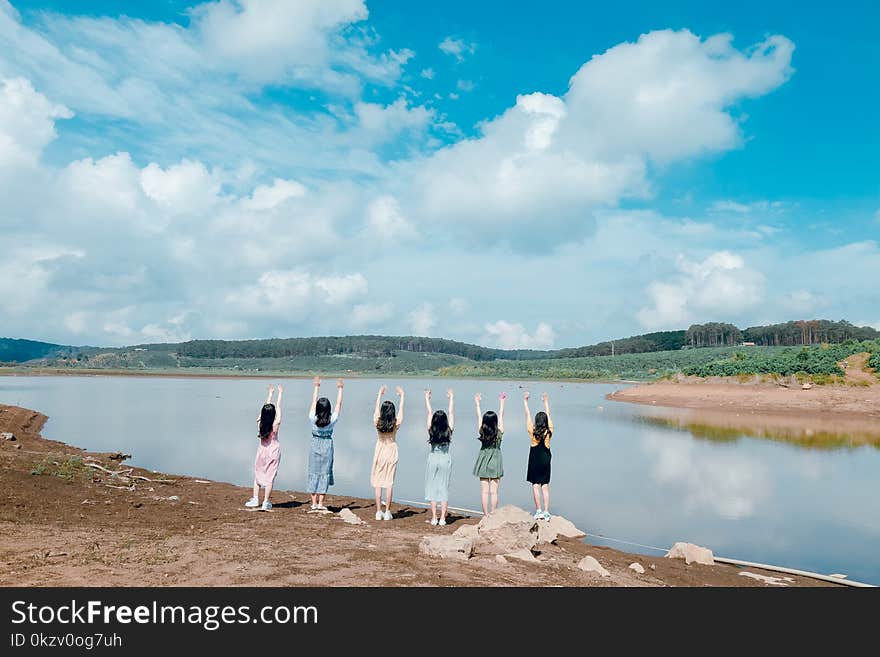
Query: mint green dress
point(489, 464)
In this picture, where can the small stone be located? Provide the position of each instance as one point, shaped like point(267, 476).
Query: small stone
point(174, 498)
point(348, 516)
point(636, 566)
point(522, 555)
point(136, 505)
point(447, 546)
point(500, 558)
point(590, 565)
point(7, 436)
point(653, 567)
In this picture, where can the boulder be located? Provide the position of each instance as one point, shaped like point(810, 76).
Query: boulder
point(350, 518)
point(506, 530)
point(590, 565)
point(466, 531)
point(636, 566)
point(549, 531)
point(447, 546)
point(500, 558)
point(691, 553)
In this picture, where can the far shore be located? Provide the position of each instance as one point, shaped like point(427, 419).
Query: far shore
point(193, 373)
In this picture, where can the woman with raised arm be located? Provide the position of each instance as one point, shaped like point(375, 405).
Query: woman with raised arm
point(538, 474)
point(269, 450)
point(323, 421)
point(489, 466)
point(387, 421)
point(439, 426)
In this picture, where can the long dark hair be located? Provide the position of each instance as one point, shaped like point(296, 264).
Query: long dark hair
point(322, 412)
point(387, 417)
point(439, 432)
point(542, 427)
point(267, 419)
point(489, 428)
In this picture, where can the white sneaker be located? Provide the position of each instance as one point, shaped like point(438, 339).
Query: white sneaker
point(546, 515)
point(433, 521)
point(379, 515)
point(251, 503)
point(442, 522)
point(266, 505)
point(539, 515)
point(314, 506)
point(386, 515)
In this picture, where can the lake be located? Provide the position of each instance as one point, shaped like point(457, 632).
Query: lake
point(618, 472)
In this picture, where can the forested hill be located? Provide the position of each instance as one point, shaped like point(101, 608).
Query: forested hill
point(19, 351)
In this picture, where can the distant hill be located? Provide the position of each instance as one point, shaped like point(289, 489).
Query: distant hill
point(18, 351)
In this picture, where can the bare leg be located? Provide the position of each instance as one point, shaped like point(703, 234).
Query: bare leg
point(268, 491)
point(321, 500)
point(433, 510)
point(443, 508)
point(536, 491)
point(484, 495)
point(378, 500)
point(314, 499)
point(545, 488)
point(256, 490)
point(388, 499)
point(493, 492)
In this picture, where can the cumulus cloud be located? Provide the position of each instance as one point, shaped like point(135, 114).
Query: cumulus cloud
point(292, 294)
point(422, 320)
point(457, 48)
point(427, 73)
point(364, 315)
point(720, 286)
point(507, 335)
point(27, 122)
point(386, 222)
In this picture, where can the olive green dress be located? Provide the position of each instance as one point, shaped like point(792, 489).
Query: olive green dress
point(489, 464)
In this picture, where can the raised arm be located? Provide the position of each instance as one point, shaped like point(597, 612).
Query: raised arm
point(428, 410)
point(378, 404)
point(477, 398)
point(451, 396)
point(546, 399)
point(399, 392)
point(501, 399)
point(340, 384)
point(316, 384)
point(529, 426)
point(278, 406)
point(268, 401)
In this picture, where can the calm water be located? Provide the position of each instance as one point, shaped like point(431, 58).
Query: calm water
point(614, 473)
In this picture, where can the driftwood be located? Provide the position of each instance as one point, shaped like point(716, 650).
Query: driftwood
point(126, 474)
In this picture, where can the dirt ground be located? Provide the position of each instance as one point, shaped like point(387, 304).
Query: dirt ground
point(64, 523)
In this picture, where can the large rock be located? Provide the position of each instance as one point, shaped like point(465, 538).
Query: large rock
point(691, 554)
point(590, 565)
point(549, 531)
point(447, 546)
point(636, 566)
point(508, 529)
point(522, 555)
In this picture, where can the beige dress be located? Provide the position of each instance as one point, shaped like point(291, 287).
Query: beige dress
point(384, 460)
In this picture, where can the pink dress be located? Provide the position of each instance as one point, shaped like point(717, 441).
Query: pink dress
point(268, 458)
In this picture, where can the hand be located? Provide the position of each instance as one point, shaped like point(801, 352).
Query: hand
point(478, 398)
point(502, 396)
point(383, 389)
point(271, 388)
point(340, 384)
point(526, 395)
point(427, 393)
point(399, 391)
point(544, 396)
point(280, 388)
point(316, 381)
point(449, 393)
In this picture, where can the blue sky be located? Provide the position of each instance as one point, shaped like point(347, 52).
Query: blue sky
point(501, 173)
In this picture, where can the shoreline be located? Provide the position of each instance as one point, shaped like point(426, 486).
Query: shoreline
point(173, 530)
point(35, 372)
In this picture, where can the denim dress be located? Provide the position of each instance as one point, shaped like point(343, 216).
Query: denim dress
point(321, 456)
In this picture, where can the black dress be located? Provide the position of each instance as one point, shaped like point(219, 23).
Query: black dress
point(539, 464)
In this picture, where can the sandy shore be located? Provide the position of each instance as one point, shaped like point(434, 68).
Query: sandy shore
point(65, 524)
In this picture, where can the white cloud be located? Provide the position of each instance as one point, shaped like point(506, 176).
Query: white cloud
point(187, 187)
point(802, 301)
point(507, 335)
point(381, 124)
point(27, 122)
point(290, 295)
point(457, 48)
point(371, 314)
point(464, 85)
point(386, 221)
point(719, 287)
point(422, 320)
point(268, 197)
point(427, 73)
